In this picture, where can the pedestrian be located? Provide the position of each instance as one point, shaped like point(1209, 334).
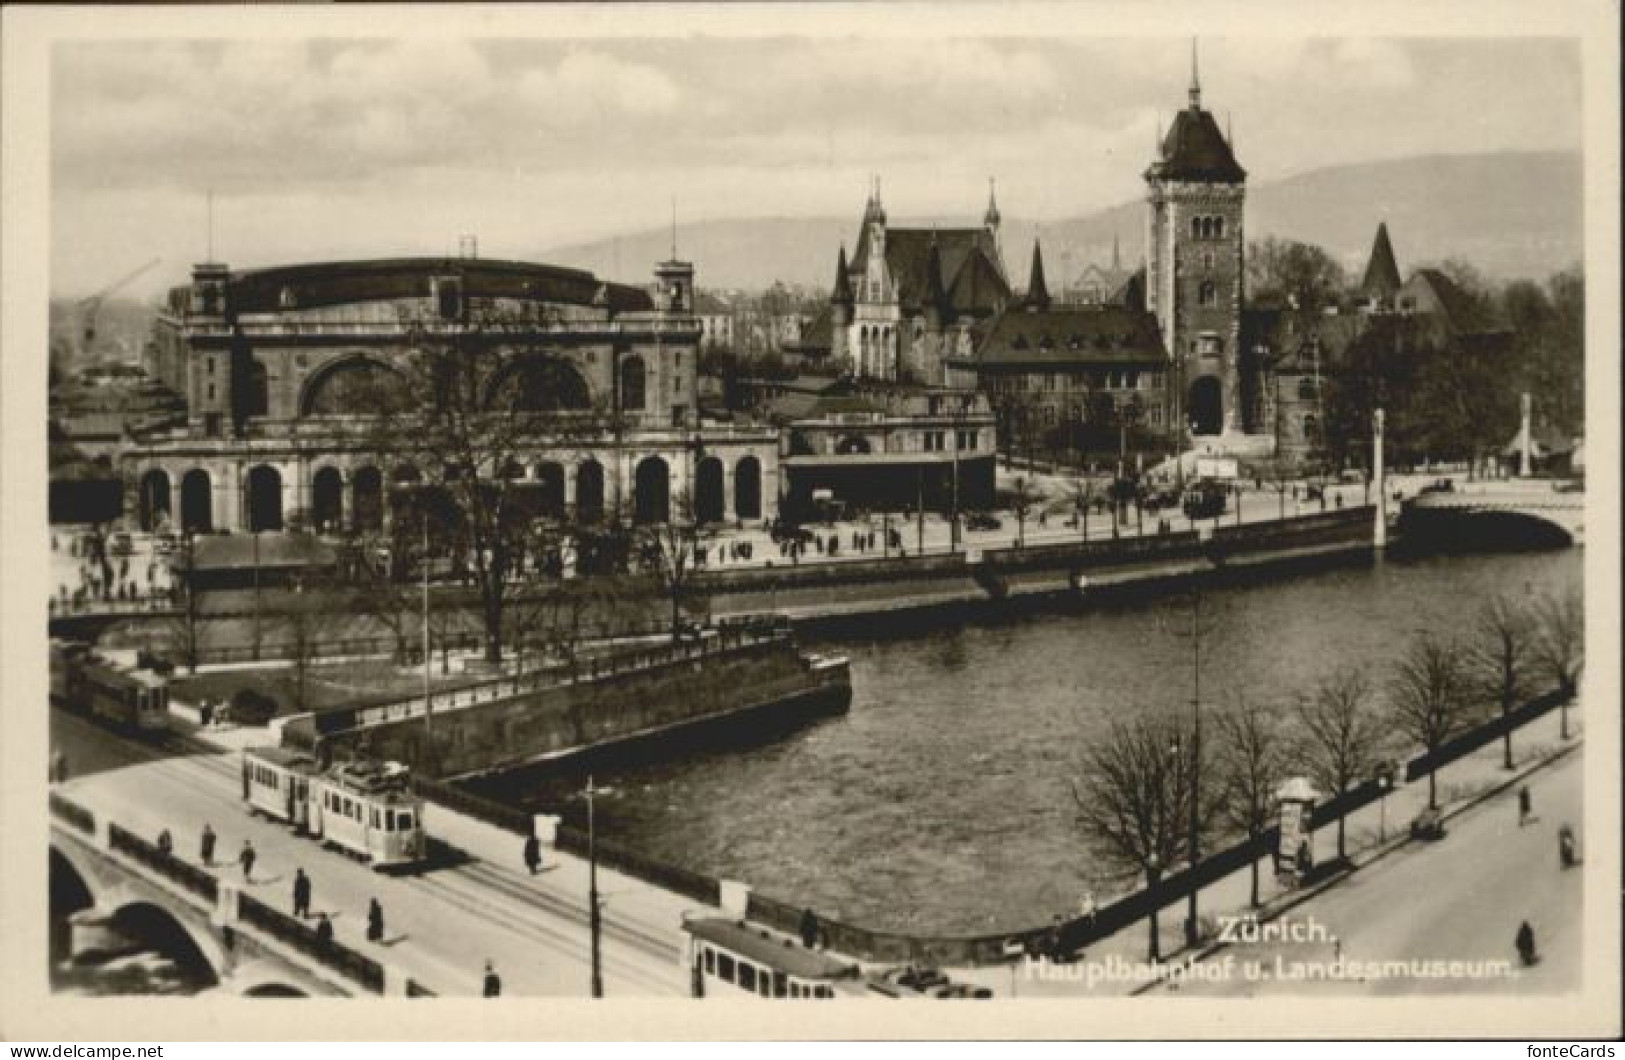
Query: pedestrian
point(533, 854)
point(1526, 943)
point(809, 928)
point(1565, 847)
point(206, 844)
point(301, 894)
point(1087, 908)
point(375, 921)
point(493, 982)
point(59, 766)
point(166, 843)
point(246, 859)
point(1523, 805)
point(324, 929)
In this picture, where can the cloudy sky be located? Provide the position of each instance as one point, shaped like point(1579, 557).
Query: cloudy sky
point(324, 148)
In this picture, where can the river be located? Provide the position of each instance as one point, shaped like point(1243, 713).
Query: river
point(942, 802)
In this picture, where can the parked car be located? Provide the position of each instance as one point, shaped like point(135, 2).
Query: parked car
point(982, 521)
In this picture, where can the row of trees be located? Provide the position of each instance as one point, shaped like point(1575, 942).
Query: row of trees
point(1143, 784)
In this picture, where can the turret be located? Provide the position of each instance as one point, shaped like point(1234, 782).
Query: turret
point(676, 286)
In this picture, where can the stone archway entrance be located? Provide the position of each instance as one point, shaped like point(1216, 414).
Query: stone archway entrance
point(1204, 406)
point(651, 498)
point(264, 499)
point(708, 491)
point(197, 501)
point(154, 499)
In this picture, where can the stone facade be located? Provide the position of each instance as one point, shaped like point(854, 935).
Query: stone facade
point(283, 368)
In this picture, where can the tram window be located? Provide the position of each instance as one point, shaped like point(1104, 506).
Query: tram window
point(710, 961)
point(795, 989)
point(725, 968)
point(763, 985)
point(824, 991)
point(747, 976)
point(406, 819)
point(781, 986)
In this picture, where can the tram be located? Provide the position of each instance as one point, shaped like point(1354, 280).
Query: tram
point(365, 808)
point(135, 700)
point(729, 958)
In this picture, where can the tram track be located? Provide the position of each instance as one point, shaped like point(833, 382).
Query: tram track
point(194, 761)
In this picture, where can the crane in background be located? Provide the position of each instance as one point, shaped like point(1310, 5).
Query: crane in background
point(87, 309)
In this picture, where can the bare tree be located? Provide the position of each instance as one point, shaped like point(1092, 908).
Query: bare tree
point(1558, 647)
point(1429, 696)
point(484, 396)
point(1339, 736)
point(1023, 499)
point(671, 551)
point(307, 620)
point(1501, 651)
point(1134, 799)
point(1251, 760)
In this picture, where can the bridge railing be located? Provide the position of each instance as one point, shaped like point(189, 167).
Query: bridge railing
point(169, 866)
point(359, 967)
point(72, 813)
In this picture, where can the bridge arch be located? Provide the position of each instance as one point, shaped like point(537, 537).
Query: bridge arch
point(195, 952)
point(260, 978)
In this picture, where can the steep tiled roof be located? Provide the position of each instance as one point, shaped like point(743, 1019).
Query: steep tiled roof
point(969, 267)
point(1461, 313)
point(1108, 335)
point(1195, 149)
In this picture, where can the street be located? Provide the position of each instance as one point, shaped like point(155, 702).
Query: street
point(440, 925)
point(1460, 899)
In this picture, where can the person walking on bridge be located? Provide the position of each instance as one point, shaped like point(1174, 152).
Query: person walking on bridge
point(375, 921)
point(246, 860)
point(206, 844)
point(301, 894)
point(493, 981)
point(533, 854)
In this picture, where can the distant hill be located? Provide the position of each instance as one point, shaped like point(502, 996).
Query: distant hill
point(1512, 214)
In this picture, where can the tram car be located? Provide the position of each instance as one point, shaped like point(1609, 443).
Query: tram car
point(365, 808)
point(730, 959)
point(134, 700)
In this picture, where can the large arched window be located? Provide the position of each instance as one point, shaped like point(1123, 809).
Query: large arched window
point(748, 488)
point(354, 386)
point(633, 383)
point(708, 491)
point(197, 501)
point(154, 506)
point(651, 497)
point(539, 384)
point(264, 498)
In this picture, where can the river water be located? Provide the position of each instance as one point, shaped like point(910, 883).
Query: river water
point(942, 802)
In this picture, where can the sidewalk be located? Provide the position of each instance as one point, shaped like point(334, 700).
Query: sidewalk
point(1373, 832)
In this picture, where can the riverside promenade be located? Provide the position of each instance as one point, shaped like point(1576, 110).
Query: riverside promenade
point(1478, 798)
point(484, 905)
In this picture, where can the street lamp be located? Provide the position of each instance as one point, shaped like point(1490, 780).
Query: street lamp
point(594, 907)
point(1385, 783)
point(1191, 930)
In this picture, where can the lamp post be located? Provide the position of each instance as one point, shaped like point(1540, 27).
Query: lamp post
point(1191, 932)
point(594, 910)
point(1385, 783)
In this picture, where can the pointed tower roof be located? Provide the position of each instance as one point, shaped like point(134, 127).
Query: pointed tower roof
point(1037, 289)
point(1382, 272)
point(991, 218)
point(843, 284)
point(1194, 148)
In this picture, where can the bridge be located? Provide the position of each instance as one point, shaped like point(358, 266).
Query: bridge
point(1538, 501)
point(235, 934)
